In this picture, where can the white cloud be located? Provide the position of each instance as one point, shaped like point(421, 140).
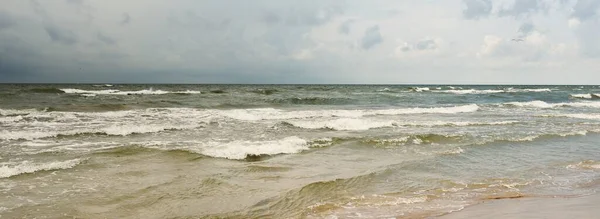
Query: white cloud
point(458, 41)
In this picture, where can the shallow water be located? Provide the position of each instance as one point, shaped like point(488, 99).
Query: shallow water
point(290, 151)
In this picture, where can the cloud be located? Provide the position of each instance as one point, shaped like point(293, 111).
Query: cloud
point(60, 35)
point(525, 29)
point(271, 18)
point(277, 41)
point(371, 38)
point(126, 19)
point(6, 20)
point(585, 9)
point(106, 39)
point(522, 8)
point(76, 2)
point(345, 27)
point(476, 9)
point(424, 47)
point(302, 17)
point(587, 35)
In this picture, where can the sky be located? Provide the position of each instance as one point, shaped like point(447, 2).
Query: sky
point(310, 41)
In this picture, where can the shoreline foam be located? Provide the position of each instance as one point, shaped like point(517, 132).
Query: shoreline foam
point(555, 207)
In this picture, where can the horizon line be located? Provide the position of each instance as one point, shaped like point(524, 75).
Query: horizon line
point(357, 84)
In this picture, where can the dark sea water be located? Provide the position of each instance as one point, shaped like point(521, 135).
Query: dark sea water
point(290, 151)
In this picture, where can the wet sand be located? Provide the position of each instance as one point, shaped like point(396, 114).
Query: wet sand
point(577, 207)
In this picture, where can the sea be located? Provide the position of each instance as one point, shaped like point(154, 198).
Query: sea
point(290, 151)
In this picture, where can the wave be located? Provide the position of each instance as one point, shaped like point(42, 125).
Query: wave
point(414, 139)
point(433, 110)
point(49, 90)
point(244, 150)
point(508, 90)
point(265, 91)
point(542, 104)
point(419, 89)
point(277, 114)
point(9, 170)
point(347, 124)
point(471, 91)
point(119, 92)
point(355, 124)
point(586, 96)
point(312, 100)
point(587, 164)
point(103, 85)
point(117, 130)
point(577, 116)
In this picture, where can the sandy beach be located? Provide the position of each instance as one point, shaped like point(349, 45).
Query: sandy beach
point(577, 207)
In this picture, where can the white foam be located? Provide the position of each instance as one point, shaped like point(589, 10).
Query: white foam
point(14, 112)
point(581, 104)
point(534, 104)
point(8, 170)
point(238, 150)
point(118, 92)
point(508, 90)
point(117, 130)
point(542, 104)
point(535, 90)
point(435, 110)
point(583, 116)
point(421, 89)
point(349, 124)
point(588, 164)
point(40, 124)
point(452, 123)
point(276, 114)
point(10, 119)
point(583, 96)
point(359, 124)
point(456, 150)
point(473, 91)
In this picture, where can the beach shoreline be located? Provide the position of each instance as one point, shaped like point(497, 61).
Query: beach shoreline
point(531, 207)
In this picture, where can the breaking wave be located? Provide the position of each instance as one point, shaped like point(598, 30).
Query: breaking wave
point(507, 90)
point(49, 90)
point(119, 92)
point(356, 124)
point(9, 170)
point(542, 104)
point(117, 130)
point(586, 96)
point(313, 100)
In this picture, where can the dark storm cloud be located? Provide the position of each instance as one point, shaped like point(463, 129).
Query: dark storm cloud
point(586, 9)
point(371, 38)
point(17, 60)
point(60, 35)
point(6, 20)
point(522, 8)
point(476, 9)
point(106, 39)
point(126, 19)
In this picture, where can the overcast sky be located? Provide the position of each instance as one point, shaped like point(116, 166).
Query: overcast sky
point(309, 41)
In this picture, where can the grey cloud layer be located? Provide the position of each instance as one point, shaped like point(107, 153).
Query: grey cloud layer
point(284, 41)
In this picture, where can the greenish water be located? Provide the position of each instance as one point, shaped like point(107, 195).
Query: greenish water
point(290, 151)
